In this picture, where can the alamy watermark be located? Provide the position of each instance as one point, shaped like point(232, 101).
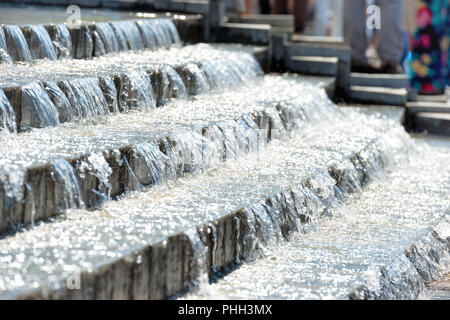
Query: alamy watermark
point(73, 14)
point(74, 280)
point(373, 20)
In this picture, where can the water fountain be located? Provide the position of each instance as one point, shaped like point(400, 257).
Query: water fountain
point(143, 166)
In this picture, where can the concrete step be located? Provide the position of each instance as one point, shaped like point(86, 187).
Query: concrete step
point(323, 50)
point(383, 244)
point(323, 66)
point(50, 170)
point(186, 6)
point(278, 20)
point(425, 106)
point(442, 98)
point(432, 123)
point(279, 23)
point(399, 81)
point(144, 80)
point(378, 95)
point(92, 39)
point(248, 33)
point(155, 244)
point(322, 40)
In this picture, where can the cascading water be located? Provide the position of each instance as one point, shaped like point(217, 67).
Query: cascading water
point(11, 198)
point(62, 104)
point(136, 92)
point(7, 115)
point(170, 85)
point(40, 44)
point(148, 33)
point(225, 73)
point(157, 166)
point(67, 189)
point(105, 39)
point(170, 27)
point(62, 41)
point(110, 92)
point(37, 110)
point(4, 56)
point(128, 35)
point(120, 226)
point(17, 45)
point(86, 98)
point(98, 191)
point(194, 79)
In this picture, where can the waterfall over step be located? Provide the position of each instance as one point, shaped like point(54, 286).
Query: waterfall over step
point(34, 42)
point(61, 40)
point(140, 86)
point(4, 55)
point(85, 97)
point(7, 114)
point(16, 44)
point(37, 110)
point(145, 168)
point(40, 44)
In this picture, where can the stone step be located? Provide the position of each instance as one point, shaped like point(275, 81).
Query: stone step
point(187, 6)
point(399, 81)
point(279, 23)
point(324, 50)
point(442, 98)
point(383, 244)
point(91, 39)
point(425, 106)
point(46, 171)
point(378, 95)
point(154, 244)
point(278, 20)
point(322, 40)
point(432, 123)
point(324, 66)
point(127, 81)
point(248, 33)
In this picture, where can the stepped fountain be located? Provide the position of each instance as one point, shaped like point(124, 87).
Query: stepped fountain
point(138, 163)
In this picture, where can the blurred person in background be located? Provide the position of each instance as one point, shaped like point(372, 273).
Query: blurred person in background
point(264, 6)
point(429, 59)
point(328, 18)
point(299, 10)
point(387, 41)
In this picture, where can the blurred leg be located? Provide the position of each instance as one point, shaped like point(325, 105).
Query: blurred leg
point(337, 18)
point(265, 6)
point(280, 7)
point(390, 40)
point(320, 17)
point(300, 13)
point(355, 29)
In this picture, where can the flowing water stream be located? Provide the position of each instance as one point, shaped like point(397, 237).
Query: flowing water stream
point(184, 137)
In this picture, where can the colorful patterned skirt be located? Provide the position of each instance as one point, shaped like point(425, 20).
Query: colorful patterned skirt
point(430, 54)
